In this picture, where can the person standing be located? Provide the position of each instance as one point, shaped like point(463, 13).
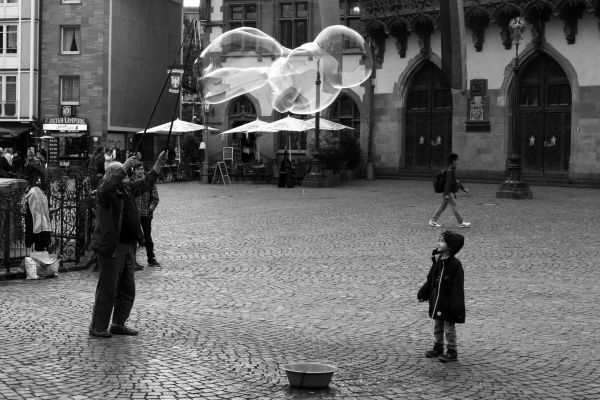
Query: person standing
point(444, 289)
point(116, 233)
point(286, 172)
point(146, 204)
point(5, 167)
point(96, 167)
point(451, 186)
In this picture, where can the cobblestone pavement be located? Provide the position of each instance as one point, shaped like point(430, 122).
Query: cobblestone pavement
point(253, 277)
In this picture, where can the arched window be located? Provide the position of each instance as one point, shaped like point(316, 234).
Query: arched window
point(242, 111)
point(344, 111)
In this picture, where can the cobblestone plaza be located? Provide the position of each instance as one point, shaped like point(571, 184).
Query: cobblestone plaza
point(254, 277)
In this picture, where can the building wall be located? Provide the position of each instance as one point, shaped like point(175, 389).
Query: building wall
point(139, 65)
point(89, 64)
point(484, 152)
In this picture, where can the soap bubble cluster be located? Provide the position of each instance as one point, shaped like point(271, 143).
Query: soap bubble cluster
point(254, 59)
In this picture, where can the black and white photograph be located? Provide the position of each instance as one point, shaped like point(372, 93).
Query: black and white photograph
point(299, 199)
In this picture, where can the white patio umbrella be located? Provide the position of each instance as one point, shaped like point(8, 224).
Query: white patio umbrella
point(288, 124)
point(179, 128)
point(327, 125)
point(245, 128)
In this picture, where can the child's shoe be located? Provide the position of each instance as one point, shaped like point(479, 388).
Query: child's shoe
point(435, 352)
point(450, 356)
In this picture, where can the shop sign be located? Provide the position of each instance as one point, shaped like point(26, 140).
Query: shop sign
point(66, 120)
point(65, 127)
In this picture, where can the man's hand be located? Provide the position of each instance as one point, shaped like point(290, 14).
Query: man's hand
point(129, 163)
point(162, 159)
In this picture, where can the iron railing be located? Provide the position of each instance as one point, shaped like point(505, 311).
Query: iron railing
point(71, 206)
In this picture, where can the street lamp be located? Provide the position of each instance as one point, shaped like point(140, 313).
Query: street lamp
point(513, 187)
point(315, 176)
point(205, 110)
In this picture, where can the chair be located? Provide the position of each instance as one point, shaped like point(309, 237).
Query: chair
point(248, 173)
point(234, 172)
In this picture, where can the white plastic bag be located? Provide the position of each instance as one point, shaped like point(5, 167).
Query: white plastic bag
point(30, 268)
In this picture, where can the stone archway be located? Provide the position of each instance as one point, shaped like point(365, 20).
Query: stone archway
point(428, 120)
point(544, 125)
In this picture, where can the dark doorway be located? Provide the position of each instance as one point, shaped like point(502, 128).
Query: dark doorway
point(544, 116)
point(428, 121)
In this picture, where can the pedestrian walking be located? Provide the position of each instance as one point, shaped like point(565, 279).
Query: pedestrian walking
point(451, 186)
point(444, 289)
point(146, 204)
point(116, 233)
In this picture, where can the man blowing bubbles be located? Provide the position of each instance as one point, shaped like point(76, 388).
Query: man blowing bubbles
point(115, 236)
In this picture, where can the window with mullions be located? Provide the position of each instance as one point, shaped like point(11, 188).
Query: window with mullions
point(293, 23)
point(345, 111)
point(350, 16)
point(8, 96)
point(241, 15)
point(8, 39)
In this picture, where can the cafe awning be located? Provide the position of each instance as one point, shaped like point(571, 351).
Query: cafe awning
point(14, 130)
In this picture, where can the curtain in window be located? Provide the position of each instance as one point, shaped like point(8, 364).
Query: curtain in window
point(71, 39)
point(70, 89)
point(11, 38)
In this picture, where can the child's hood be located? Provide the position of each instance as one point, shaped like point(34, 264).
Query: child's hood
point(454, 241)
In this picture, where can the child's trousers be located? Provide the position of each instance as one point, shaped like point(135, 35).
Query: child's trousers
point(444, 327)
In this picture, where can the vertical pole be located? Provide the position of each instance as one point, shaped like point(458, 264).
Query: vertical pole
point(318, 104)
point(515, 157)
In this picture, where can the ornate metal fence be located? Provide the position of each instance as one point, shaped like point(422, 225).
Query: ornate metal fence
point(12, 228)
point(71, 206)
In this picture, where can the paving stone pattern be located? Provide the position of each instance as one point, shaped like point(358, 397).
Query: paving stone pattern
point(254, 276)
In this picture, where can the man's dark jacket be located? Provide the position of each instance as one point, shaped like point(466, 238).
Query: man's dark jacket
point(111, 195)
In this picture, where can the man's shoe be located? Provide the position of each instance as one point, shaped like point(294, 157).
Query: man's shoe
point(434, 224)
point(449, 357)
point(138, 267)
point(100, 333)
point(153, 263)
point(122, 330)
point(465, 225)
point(435, 352)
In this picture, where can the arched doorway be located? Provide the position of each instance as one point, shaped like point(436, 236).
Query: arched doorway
point(544, 116)
point(428, 138)
point(242, 111)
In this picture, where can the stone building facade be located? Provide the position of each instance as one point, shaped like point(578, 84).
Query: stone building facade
point(414, 117)
point(409, 121)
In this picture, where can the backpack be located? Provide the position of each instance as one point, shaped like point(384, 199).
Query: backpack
point(439, 182)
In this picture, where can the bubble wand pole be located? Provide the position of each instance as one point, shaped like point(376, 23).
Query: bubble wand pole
point(163, 88)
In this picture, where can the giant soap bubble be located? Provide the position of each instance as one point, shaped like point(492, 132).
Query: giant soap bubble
point(245, 59)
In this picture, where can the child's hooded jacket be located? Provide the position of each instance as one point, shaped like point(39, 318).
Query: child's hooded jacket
point(445, 284)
